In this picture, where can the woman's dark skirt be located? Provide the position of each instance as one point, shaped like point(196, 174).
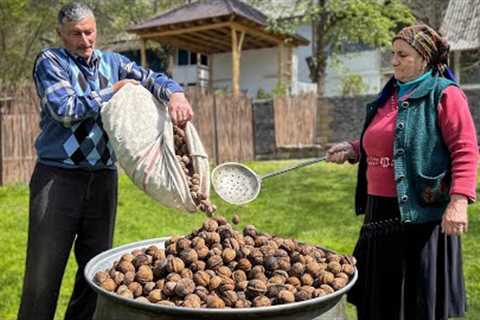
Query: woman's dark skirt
point(406, 271)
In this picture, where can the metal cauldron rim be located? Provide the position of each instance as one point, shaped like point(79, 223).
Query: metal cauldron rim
point(90, 271)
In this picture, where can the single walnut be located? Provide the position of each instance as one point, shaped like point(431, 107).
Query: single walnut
point(202, 252)
point(261, 301)
point(226, 285)
point(210, 225)
point(214, 262)
point(188, 256)
point(326, 277)
point(198, 242)
point(142, 299)
point(144, 274)
point(339, 283)
point(244, 264)
point(148, 287)
point(127, 257)
point(307, 279)
point(348, 269)
point(256, 288)
point(236, 219)
point(285, 296)
point(166, 303)
point(125, 266)
point(169, 288)
point(186, 273)
point(175, 277)
point(242, 303)
point(228, 255)
point(119, 278)
point(215, 282)
point(109, 285)
point(191, 303)
point(101, 276)
point(183, 244)
point(294, 281)
point(250, 230)
point(273, 290)
point(277, 280)
point(155, 295)
point(198, 266)
point(239, 276)
point(334, 267)
point(224, 272)
point(184, 287)
point(129, 277)
point(230, 297)
point(140, 260)
point(215, 302)
point(202, 292)
point(175, 264)
point(302, 295)
point(136, 288)
point(327, 288)
point(342, 275)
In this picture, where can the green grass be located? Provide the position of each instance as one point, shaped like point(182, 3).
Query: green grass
point(313, 204)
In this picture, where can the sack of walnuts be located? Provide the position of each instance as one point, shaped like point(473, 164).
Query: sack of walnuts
point(142, 135)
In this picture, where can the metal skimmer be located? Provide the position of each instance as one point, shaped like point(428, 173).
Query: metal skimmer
point(238, 184)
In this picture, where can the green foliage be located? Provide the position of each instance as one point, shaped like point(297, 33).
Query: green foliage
point(370, 22)
point(353, 84)
point(280, 89)
point(262, 94)
point(307, 204)
point(29, 26)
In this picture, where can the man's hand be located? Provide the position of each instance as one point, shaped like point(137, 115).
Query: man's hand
point(340, 152)
point(119, 84)
point(455, 218)
point(180, 109)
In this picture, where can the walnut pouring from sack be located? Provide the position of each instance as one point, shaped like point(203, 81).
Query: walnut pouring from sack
point(193, 178)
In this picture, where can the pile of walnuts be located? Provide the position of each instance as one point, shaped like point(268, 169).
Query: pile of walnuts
point(193, 178)
point(219, 267)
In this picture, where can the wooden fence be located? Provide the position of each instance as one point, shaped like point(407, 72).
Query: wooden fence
point(18, 128)
point(295, 119)
point(224, 124)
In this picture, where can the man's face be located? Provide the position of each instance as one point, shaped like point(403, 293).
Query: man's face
point(79, 36)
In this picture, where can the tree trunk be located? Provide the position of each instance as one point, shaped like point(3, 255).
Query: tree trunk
point(320, 52)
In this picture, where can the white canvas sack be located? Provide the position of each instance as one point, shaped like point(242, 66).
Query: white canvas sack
point(141, 133)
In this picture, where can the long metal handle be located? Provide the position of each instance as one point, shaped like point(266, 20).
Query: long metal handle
point(300, 165)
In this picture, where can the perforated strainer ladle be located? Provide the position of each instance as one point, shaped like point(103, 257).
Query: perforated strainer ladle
point(236, 183)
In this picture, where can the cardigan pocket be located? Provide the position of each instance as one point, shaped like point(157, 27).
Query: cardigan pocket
point(433, 191)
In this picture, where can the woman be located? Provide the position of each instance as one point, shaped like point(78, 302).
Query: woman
point(417, 172)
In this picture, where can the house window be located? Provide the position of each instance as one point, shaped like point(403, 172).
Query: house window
point(185, 57)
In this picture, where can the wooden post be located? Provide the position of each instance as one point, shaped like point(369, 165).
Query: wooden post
point(281, 62)
point(143, 53)
point(210, 72)
point(236, 52)
point(456, 64)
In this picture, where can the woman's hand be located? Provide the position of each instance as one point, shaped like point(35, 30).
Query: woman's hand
point(455, 217)
point(340, 152)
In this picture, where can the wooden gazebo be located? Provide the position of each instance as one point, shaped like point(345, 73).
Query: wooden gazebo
point(216, 26)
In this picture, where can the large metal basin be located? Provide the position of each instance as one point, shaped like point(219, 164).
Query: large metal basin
point(113, 307)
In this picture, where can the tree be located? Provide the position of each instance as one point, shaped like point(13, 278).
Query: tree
point(28, 26)
point(335, 22)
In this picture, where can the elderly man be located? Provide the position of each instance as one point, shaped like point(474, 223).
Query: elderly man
point(73, 190)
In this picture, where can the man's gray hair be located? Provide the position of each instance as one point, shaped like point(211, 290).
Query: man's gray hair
point(74, 11)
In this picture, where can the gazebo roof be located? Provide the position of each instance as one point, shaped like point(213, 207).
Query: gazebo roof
point(461, 24)
point(205, 26)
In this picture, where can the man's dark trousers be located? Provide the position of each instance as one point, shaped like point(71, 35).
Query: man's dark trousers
point(67, 207)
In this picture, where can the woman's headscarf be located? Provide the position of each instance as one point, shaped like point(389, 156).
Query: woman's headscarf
point(430, 45)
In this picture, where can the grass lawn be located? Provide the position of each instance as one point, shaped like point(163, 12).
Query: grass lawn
point(313, 204)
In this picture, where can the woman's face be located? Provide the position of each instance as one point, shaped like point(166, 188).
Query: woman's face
point(407, 63)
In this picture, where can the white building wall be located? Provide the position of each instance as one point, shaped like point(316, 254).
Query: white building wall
point(258, 69)
point(367, 64)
